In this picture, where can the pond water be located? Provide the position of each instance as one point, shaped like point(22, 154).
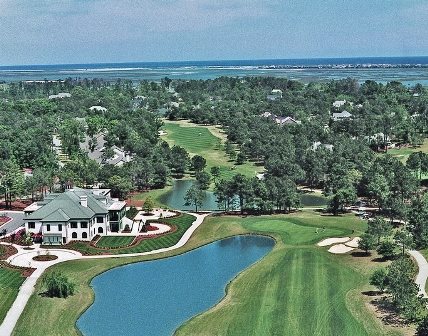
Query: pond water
point(175, 198)
point(156, 297)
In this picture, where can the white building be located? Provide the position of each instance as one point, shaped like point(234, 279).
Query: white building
point(60, 95)
point(77, 214)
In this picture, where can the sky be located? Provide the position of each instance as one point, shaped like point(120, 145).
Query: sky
point(99, 31)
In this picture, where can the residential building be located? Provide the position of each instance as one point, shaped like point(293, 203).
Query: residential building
point(341, 116)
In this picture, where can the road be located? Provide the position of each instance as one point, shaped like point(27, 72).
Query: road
point(17, 220)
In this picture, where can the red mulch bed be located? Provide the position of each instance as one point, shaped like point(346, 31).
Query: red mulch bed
point(151, 228)
point(4, 219)
point(25, 271)
point(7, 251)
point(45, 257)
point(17, 205)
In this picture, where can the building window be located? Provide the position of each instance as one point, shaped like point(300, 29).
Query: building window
point(59, 227)
point(48, 227)
point(31, 225)
point(84, 225)
point(100, 220)
point(84, 235)
point(100, 230)
point(73, 225)
point(74, 235)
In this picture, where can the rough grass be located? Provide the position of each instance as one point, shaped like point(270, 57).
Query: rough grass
point(208, 142)
point(182, 223)
point(115, 241)
point(297, 289)
point(10, 281)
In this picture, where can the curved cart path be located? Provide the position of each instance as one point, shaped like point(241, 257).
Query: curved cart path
point(422, 276)
point(24, 258)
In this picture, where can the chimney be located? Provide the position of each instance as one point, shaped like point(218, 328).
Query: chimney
point(84, 201)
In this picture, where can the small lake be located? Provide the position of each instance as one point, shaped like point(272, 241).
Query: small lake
point(175, 198)
point(154, 298)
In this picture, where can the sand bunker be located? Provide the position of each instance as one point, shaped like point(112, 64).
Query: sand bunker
point(353, 242)
point(340, 248)
point(330, 241)
point(162, 133)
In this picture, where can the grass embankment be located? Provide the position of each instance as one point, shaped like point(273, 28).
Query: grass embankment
point(10, 281)
point(115, 241)
point(207, 141)
point(297, 289)
point(181, 223)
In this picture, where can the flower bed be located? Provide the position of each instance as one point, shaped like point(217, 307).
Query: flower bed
point(45, 257)
point(17, 238)
point(6, 251)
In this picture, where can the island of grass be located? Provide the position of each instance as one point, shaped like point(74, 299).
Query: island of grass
point(114, 241)
point(10, 281)
point(297, 289)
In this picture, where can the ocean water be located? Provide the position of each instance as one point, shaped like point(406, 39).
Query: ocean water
point(408, 70)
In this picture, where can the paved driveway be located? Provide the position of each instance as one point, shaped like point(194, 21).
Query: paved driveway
point(16, 222)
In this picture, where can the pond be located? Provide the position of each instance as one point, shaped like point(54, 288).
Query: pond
point(175, 198)
point(155, 297)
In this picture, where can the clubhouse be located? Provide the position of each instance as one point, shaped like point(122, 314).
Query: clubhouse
point(77, 214)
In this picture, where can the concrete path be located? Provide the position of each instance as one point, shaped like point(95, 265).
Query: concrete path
point(24, 258)
point(422, 276)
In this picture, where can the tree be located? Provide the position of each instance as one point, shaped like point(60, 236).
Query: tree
point(240, 158)
point(379, 279)
point(403, 238)
point(215, 172)
point(194, 196)
point(58, 285)
point(422, 329)
point(120, 186)
point(341, 198)
point(148, 205)
point(198, 163)
point(203, 179)
point(367, 242)
point(179, 160)
point(387, 249)
point(379, 228)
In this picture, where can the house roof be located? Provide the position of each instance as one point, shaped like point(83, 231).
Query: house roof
point(66, 206)
point(342, 115)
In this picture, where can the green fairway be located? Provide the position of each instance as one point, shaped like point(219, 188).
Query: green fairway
point(403, 153)
point(297, 289)
point(115, 241)
point(10, 281)
point(182, 223)
point(200, 140)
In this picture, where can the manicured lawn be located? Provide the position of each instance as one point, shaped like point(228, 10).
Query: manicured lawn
point(208, 142)
point(182, 222)
point(10, 281)
point(297, 289)
point(403, 153)
point(115, 241)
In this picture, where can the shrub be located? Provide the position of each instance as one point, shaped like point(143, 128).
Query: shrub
point(379, 279)
point(58, 285)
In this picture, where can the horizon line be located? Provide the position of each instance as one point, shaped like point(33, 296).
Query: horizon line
point(215, 60)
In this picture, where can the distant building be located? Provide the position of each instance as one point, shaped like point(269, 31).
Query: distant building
point(341, 116)
point(77, 214)
point(318, 144)
point(286, 120)
point(98, 108)
point(274, 95)
point(60, 95)
point(339, 103)
point(120, 156)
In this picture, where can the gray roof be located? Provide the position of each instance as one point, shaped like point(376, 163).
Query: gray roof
point(66, 206)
